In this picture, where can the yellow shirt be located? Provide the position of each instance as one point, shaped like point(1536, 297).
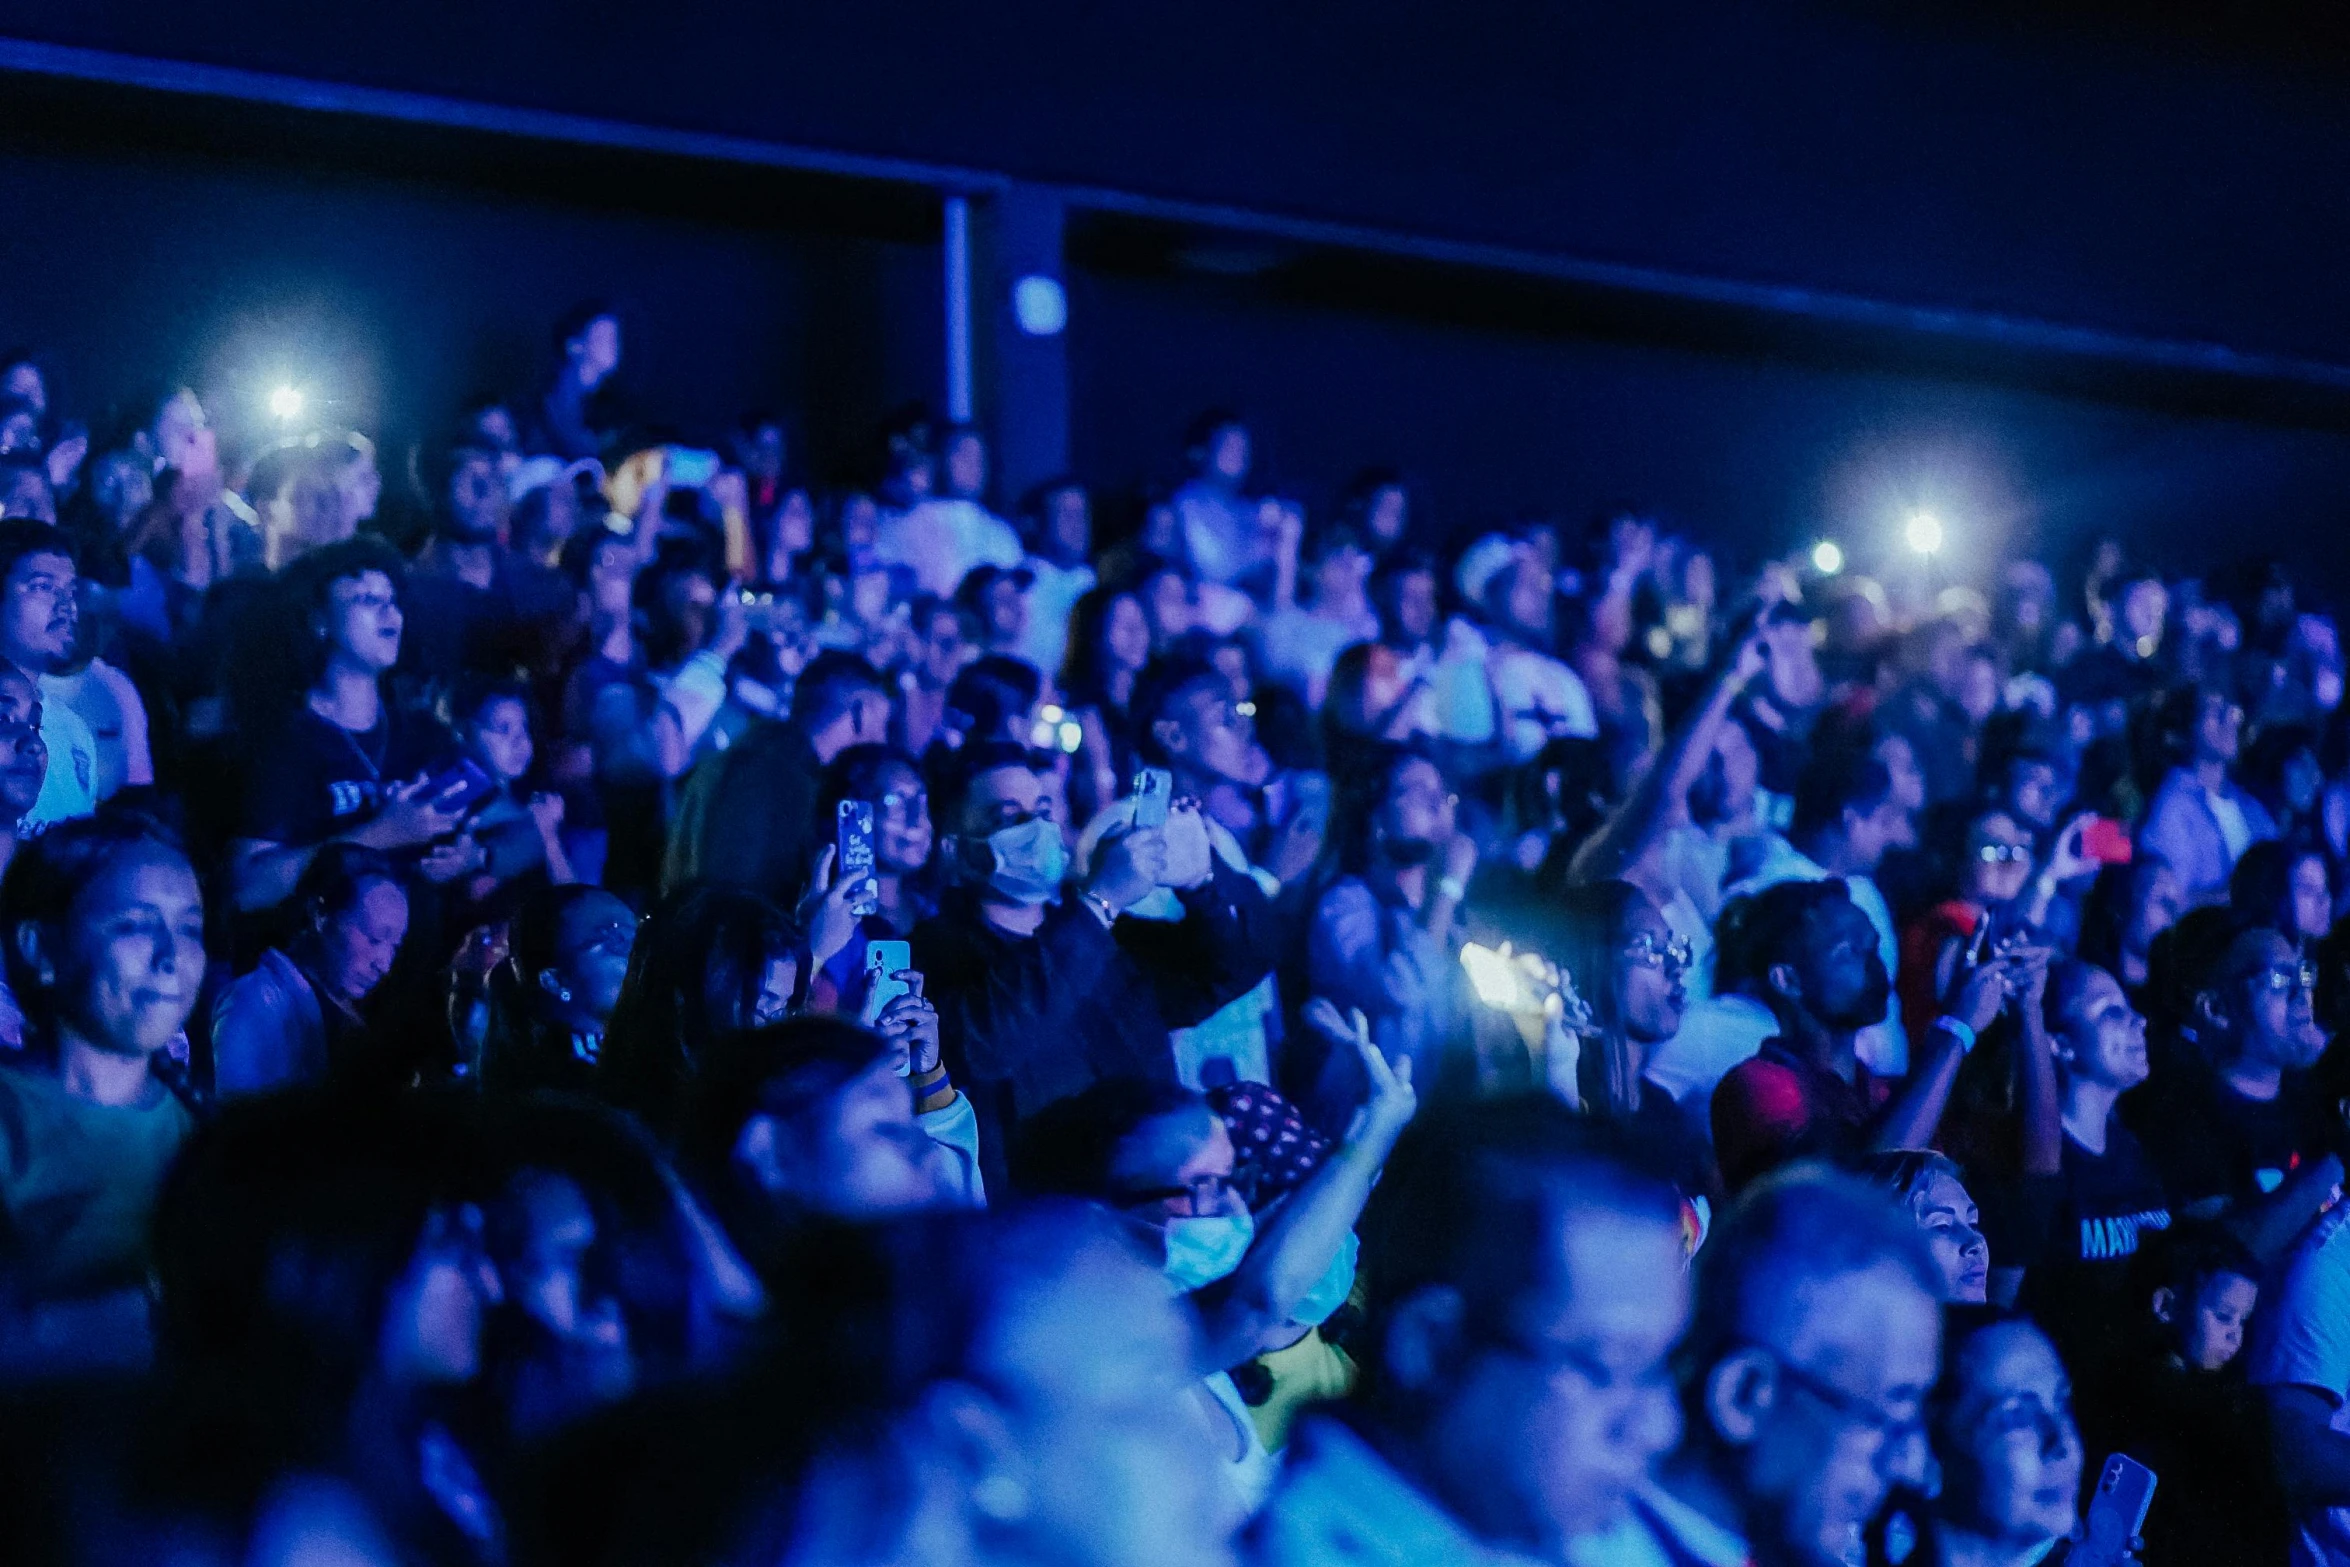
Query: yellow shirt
point(1309, 1371)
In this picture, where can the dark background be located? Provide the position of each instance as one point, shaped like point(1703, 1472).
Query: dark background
point(2136, 169)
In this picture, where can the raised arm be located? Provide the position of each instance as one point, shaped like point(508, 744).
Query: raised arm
point(1660, 800)
point(1296, 1248)
point(1912, 1115)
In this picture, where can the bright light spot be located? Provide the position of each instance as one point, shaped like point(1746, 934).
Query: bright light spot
point(1827, 557)
point(1924, 532)
point(285, 402)
point(1040, 305)
point(1494, 977)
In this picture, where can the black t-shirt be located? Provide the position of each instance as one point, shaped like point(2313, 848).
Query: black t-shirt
point(313, 778)
point(2075, 1234)
point(2207, 1140)
point(2105, 1202)
point(1666, 1139)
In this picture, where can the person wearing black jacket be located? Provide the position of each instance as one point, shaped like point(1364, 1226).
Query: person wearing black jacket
point(1043, 989)
point(748, 815)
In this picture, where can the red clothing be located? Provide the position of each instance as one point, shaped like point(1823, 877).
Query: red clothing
point(1778, 1107)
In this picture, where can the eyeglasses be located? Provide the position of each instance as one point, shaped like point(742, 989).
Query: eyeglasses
point(1673, 956)
point(1587, 1367)
point(1893, 1431)
point(1204, 1194)
point(2003, 853)
point(2280, 978)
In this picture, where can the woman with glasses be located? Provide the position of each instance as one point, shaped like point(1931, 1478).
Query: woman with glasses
point(1628, 968)
point(2002, 1425)
point(888, 781)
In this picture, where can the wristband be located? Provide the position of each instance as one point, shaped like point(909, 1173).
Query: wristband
point(1452, 887)
point(1959, 1029)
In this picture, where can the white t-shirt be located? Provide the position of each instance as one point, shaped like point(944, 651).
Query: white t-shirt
point(1479, 684)
point(2234, 830)
point(107, 701)
point(1299, 647)
point(941, 539)
point(1050, 604)
point(70, 787)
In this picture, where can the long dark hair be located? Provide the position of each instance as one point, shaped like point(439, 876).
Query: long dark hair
point(693, 978)
point(1085, 668)
point(1581, 929)
point(2112, 904)
point(1359, 791)
point(522, 1047)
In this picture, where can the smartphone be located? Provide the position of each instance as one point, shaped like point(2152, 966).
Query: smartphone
point(853, 834)
point(1154, 787)
point(689, 468)
point(2106, 841)
point(884, 962)
point(2125, 1489)
point(461, 788)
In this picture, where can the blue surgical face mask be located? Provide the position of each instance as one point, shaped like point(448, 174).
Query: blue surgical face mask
point(1201, 1251)
point(1331, 1289)
point(1030, 861)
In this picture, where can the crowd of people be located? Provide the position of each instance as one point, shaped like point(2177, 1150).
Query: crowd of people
point(585, 1000)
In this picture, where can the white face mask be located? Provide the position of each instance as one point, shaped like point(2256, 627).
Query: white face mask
point(1201, 1251)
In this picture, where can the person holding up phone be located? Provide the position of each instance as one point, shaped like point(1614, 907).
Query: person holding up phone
point(1997, 897)
point(885, 783)
point(1042, 986)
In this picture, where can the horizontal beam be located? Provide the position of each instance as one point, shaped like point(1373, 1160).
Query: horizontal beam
point(2027, 337)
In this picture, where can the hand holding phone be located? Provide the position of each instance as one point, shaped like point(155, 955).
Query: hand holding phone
point(2125, 1490)
point(1154, 788)
point(2107, 841)
point(888, 965)
point(460, 788)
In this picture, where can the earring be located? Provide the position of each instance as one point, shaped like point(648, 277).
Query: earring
point(561, 994)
